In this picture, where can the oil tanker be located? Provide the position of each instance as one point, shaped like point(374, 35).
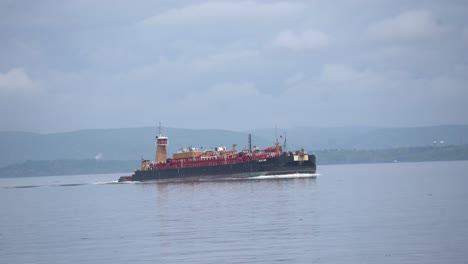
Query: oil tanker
point(220, 162)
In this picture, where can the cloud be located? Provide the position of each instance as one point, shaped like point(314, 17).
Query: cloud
point(308, 39)
point(222, 59)
point(465, 36)
point(225, 92)
point(106, 66)
point(222, 10)
point(351, 95)
point(295, 79)
point(16, 81)
point(230, 100)
point(341, 73)
point(409, 25)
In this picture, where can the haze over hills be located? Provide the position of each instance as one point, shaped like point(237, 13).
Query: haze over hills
point(110, 144)
point(317, 138)
point(136, 143)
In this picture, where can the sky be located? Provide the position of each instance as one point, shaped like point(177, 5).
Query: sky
point(70, 65)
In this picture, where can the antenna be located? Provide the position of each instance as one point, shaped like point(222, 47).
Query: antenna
point(277, 147)
point(276, 133)
point(160, 127)
point(250, 143)
point(285, 146)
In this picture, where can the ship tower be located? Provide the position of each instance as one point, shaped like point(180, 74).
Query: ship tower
point(161, 143)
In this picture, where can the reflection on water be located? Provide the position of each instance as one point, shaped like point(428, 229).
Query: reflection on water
point(379, 213)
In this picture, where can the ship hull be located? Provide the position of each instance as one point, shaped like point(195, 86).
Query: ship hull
point(286, 164)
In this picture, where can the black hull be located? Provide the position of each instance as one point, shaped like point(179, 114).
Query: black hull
point(271, 166)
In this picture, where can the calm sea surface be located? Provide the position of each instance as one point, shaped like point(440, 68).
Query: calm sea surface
point(381, 213)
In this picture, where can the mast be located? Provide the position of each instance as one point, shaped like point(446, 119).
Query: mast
point(276, 141)
point(285, 146)
point(276, 134)
point(250, 143)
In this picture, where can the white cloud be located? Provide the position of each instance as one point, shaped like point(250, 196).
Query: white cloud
point(308, 39)
point(409, 25)
point(16, 80)
point(221, 10)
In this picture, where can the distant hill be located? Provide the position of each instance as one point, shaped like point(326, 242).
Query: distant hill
point(316, 138)
point(406, 154)
point(134, 143)
point(324, 157)
point(113, 144)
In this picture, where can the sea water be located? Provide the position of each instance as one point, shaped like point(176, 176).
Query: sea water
point(369, 213)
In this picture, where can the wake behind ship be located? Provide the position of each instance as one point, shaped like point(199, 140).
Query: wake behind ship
point(222, 163)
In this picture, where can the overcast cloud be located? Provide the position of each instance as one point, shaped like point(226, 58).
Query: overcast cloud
point(68, 65)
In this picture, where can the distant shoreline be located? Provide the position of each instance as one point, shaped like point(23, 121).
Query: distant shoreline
point(39, 168)
point(404, 154)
